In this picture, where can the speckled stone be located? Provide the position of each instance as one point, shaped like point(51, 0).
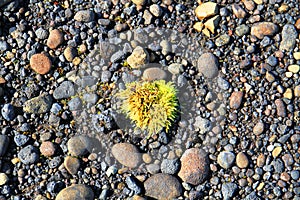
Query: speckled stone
point(76, 191)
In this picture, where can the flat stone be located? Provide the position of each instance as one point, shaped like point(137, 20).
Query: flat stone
point(194, 166)
point(76, 191)
point(55, 39)
point(84, 16)
point(127, 154)
point(294, 68)
point(154, 73)
point(38, 105)
point(72, 164)
point(226, 159)
point(236, 99)
point(4, 143)
point(64, 90)
point(242, 160)
point(47, 148)
point(75, 104)
point(138, 58)
point(79, 145)
point(296, 55)
point(280, 108)
point(162, 186)
point(262, 29)
point(29, 155)
point(289, 36)
point(40, 63)
point(208, 65)
point(222, 40)
point(206, 10)
point(238, 11)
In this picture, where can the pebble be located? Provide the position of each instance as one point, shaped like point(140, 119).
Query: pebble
point(41, 33)
point(4, 143)
point(206, 10)
point(153, 168)
point(270, 77)
point(295, 174)
point(127, 154)
point(236, 99)
point(211, 25)
point(38, 105)
point(259, 128)
point(262, 29)
point(208, 65)
point(222, 40)
point(238, 11)
point(72, 164)
point(84, 16)
point(76, 191)
point(174, 68)
point(154, 73)
point(289, 36)
point(198, 26)
point(139, 2)
point(79, 145)
point(242, 30)
point(194, 166)
point(204, 125)
point(280, 107)
point(294, 68)
point(276, 151)
point(55, 39)
point(297, 91)
point(162, 186)
point(138, 58)
point(170, 166)
point(8, 112)
point(21, 139)
point(75, 104)
point(28, 155)
point(40, 63)
point(228, 190)
point(156, 10)
point(64, 90)
point(70, 53)
point(47, 149)
point(3, 45)
point(3, 179)
point(249, 5)
point(226, 159)
point(132, 185)
point(148, 17)
point(288, 93)
point(242, 160)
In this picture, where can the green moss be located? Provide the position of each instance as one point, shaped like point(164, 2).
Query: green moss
point(151, 106)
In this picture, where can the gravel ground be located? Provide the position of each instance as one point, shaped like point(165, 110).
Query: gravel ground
point(235, 65)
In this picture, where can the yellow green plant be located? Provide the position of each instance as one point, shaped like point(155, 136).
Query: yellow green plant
point(150, 105)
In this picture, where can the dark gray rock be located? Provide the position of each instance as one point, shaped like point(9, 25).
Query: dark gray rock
point(4, 142)
point(208, 65)
point(8, 112)
point(170, 166)
point(28, 155)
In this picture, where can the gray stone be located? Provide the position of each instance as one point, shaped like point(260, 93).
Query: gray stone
point(3, 46)
point(163, 186)
point(154, 73)
point(174, 68)
point(41, 33)
point(65, 90)
point(223, 84)
point(29, 155)
point(38, 105)
point(208, 65)
point(132, 185)
point(127, 154)
point(289, 36)
point(242, 30)
point(4, 143)
point(228, 190)
point(90, 98)
point(21, 139)
point(75, 104)
point(204, 125)
point(8, 112)
point(84, 16)
point(153, 168)
point(170, 166)
point(222, 40)
point(252, 196)
point(76, 191)
point(79, 145)
point(226, 159)
point(105, 76)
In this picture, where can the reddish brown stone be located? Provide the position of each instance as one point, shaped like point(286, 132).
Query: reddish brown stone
point(55, 39)
point(236, 99)
point(262, 29)
point(47, 148)
point(40, 63)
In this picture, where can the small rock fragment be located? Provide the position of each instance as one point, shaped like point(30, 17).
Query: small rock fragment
point(38, 105)
point(280, 107)
point(84, 16)
point(55, 39)
point(226, 159)
point(212, 23)
point(238, 11)
point(262, 29)
point(208, 65)
point(138, 58)
point(289, 36)
point(206, 10)
point(154, 73)
point(127, 154)
point(236, 99)
point(242, 160)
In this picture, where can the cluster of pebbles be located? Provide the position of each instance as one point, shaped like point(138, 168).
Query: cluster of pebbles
point(235, 65)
